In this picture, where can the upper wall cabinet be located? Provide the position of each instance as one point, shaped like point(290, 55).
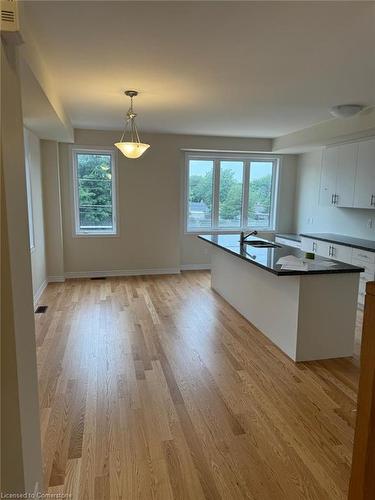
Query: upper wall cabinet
point(329, 176)
point(348, 175)
point(364, 194)
point(346, 172)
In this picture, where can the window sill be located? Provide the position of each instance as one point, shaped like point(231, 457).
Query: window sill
point(193, 232)
point(96, 235)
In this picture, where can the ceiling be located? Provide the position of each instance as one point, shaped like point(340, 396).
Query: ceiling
point(249, 69)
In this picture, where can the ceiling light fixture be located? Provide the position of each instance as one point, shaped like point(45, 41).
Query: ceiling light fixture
point(346, 110)
point(133, 148)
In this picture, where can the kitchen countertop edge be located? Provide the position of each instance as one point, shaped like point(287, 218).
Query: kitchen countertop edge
point(340, 240)
point(352, 269)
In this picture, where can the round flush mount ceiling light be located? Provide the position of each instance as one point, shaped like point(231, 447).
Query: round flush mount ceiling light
point(346, 110)
point(133, 148)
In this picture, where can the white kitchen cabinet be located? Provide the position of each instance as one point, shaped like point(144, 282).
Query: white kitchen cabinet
point(322, 248)
point(343, 253)
point(346, 174)
point(308, 245)
point(364, 255)
point(364, 193)
point(329, 176)
point(369, 268)
point(333, 251)
point(338, 175)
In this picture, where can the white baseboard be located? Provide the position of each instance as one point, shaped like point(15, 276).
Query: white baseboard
point(126, 272)
point(56, 279)
point(39, 292)
point(195, 267)
point(121, 272)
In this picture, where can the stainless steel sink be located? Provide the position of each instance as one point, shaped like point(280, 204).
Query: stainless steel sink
point(261, 244)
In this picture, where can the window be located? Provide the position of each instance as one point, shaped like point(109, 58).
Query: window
point(259, 208)
point(230, 193)
point(94, 178)
point(30, 215)
point(200, 193)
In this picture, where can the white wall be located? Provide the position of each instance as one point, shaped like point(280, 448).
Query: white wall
point(349, 221)
point(150, 204)
point(38, 254)
point(20, 412)
point(52, 215)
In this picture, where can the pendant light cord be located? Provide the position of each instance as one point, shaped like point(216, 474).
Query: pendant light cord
point(130, 122)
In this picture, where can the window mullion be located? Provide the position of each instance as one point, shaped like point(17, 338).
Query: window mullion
point(245, 193)
point(76, 194)
point(274, 195)
point(113, 194)
point(216, 194)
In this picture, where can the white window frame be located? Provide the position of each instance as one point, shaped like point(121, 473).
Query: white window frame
point(247, 159)
point(29, 195)
point(77, 232)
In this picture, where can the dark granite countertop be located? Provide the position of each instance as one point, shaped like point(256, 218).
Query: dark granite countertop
point(267, 258)
point(289, 236)
point(342, 239)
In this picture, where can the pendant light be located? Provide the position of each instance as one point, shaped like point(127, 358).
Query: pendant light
point(133, 148)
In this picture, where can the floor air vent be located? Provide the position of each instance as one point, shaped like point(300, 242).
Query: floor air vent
point(98, 278)
point(41, 309)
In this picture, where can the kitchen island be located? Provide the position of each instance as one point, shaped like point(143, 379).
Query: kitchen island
point(309, 314)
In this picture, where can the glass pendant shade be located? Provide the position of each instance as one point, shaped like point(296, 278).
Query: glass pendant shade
point(133, 148)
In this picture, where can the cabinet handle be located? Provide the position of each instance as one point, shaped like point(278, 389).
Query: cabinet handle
point(330, 251)
point(334, 198)
point(372, 200)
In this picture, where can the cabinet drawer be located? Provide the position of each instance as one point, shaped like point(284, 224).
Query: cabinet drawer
point(364, 255)
point(369, 268)
point(365, 277)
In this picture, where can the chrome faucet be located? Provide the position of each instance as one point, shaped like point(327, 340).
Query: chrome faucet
point(243, 237)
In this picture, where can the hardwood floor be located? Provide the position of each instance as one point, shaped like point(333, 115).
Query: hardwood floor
point(154, 387)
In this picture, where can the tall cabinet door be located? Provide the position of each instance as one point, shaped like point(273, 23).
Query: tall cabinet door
point(364, 193)
point(346, 172)
point(328, 176)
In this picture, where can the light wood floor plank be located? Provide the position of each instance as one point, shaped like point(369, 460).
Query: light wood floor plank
point(153, 387)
